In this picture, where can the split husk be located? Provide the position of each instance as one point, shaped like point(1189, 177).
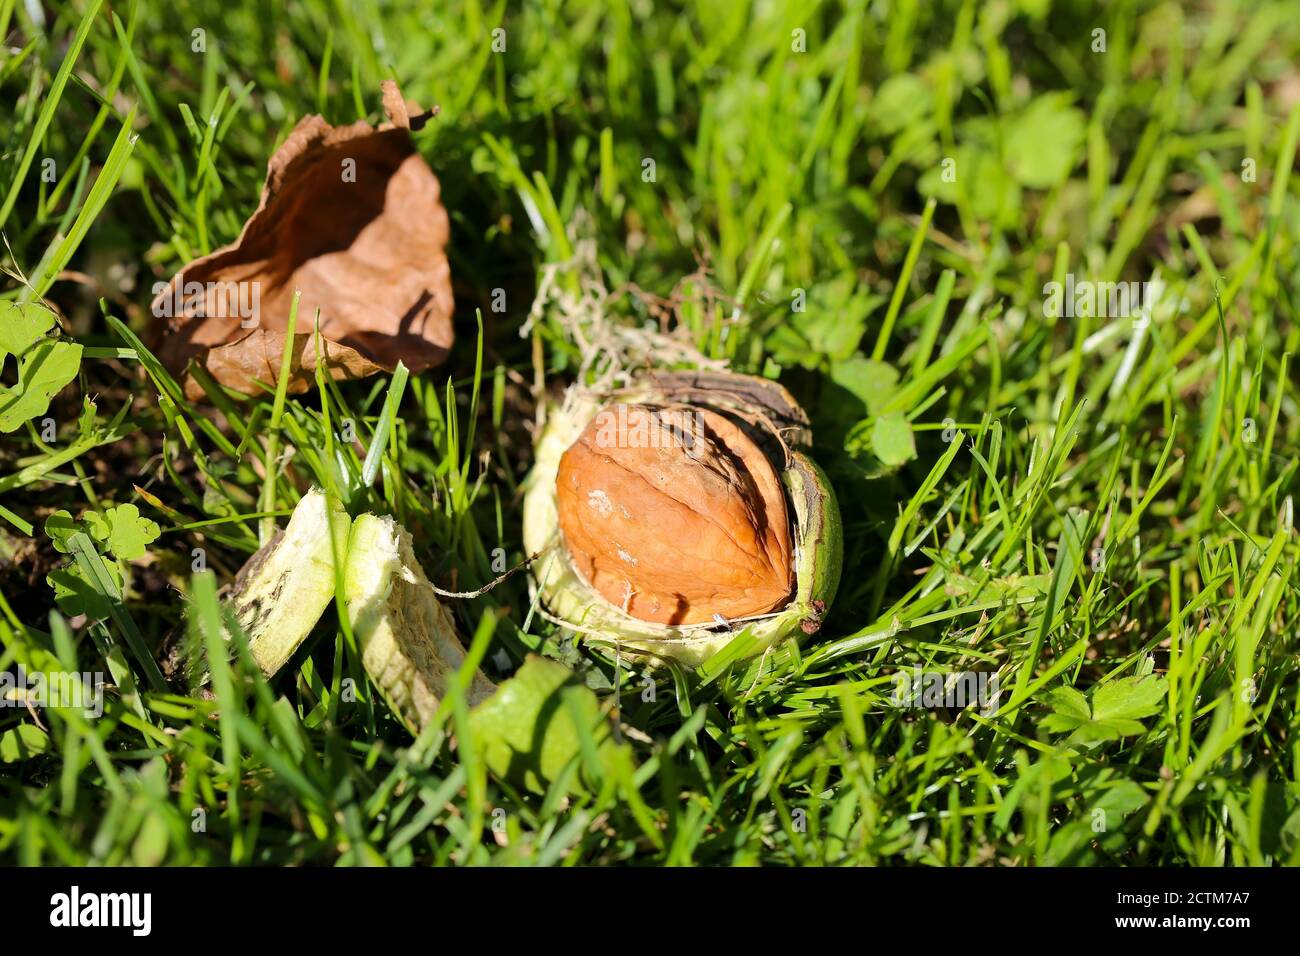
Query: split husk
point(533, 729)
point(284, 588)
point(407, 637)
point(771, 417)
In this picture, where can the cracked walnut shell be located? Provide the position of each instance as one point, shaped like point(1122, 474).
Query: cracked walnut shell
point(675, 515)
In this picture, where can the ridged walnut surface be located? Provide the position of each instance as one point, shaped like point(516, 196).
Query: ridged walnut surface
point(675, 515)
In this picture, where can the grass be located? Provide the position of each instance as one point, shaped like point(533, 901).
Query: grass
point(1097, 510)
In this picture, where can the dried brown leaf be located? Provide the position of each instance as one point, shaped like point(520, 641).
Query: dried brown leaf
point(349, 215)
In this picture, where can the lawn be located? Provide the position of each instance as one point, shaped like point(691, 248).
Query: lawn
point(1032, 269)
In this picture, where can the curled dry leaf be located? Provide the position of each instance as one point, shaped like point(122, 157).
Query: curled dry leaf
point(349, 215)
point(675, 515)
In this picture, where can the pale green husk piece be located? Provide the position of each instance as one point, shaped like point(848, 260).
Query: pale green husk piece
point(408, 639)
point(284, 588)
point(818, 536)
point(529, 730)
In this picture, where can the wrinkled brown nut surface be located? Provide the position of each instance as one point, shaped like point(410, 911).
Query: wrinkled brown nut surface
point(349, 215)
point(675, 515)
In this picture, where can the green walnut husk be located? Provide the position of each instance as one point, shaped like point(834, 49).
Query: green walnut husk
point(528, 730)
point(407, 637)
point(764, 410)
point(283, 589)
point(544, 725)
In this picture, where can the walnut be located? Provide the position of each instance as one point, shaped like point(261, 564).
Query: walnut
point(675, 515)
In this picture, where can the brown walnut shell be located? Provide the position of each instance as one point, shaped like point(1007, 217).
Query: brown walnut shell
point(675, 515)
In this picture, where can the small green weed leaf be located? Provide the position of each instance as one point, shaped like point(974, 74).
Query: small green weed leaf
point(21, 327)
point(1128, 698)
point(42, 372)
point(75, 595)
point(830, 325)
point(1070, 710)
point(998, 197)
point(1122, 799)
point(1113, 711)
point(22, 743)
point(871, 381)
point(123, 531)
point(901, 100)
point(60, 526)
point(892, 440)
point(1047, 120)
point(1008, 587)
